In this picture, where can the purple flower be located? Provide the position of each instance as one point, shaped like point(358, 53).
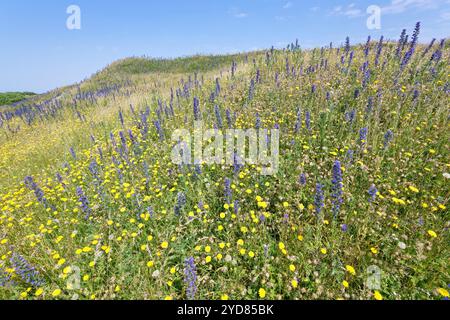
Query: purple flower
point(218, 116)
point(72, 153)
point(298, 123)
point(84, 203)
point(181, 202)
point(336, 188)
point(308, 120)
point(302, 179)
point(227, 190)
point(26, 271)
point(229, 119)
point(388, 136)
point(347, 45)
point(372, 193)
point(121, 117)
point(159, 130)
point(196, 109)
point(258, 121)
point(350, 116)
point(379, 49)
point(400, 43)
point(319, 198)
point(251, 90)
point(415, 35)
point(29, 182)
point(363, 136)
point(190, 277)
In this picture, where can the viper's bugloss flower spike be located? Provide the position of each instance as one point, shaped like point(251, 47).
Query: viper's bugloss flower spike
point(84, 203)
point(190, 278)
point(372, 193)
point(319, 198)
point(388, 136)
point(227, 190)
point(336, 187)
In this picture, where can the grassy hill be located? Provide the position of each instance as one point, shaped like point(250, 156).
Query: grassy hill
point(7, 98)
point(92, 206)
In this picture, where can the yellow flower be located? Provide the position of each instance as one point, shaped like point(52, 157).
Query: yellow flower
point(150, 264)
point(294, 283)
point(413, 189)
point(377, 295)
point(432, 233)
point(251, 254)
point(224, 297)
point(61, 261)
point(164, 245)
point(240, 242)
point(117, 289)
point(208, 259)
point(345, 284)
point(168, 298)
point(207, 249)
point(292, 267)
point(56, 293)
point(443, 292)
point(285, 204)
point(262, 293)
point(173, 270)
point(323, 251)
point(281, 246)
point(350, 269)
point(38, 292)
point(374, 250)
point(262, 204)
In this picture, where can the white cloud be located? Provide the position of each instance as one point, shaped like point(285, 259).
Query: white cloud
point(288, 5)
point(241, 15)
point(350, 11)
point(235, 12)
point(399, 6)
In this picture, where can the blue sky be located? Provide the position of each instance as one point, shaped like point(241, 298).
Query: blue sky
point(39, 53)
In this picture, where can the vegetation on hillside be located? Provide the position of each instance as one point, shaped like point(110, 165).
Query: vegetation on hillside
point(92, 207)
point(7, 98)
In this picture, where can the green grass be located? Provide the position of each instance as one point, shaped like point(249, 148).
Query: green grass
point(7, 98)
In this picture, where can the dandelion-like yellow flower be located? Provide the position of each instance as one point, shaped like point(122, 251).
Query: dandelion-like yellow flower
point(262, 293)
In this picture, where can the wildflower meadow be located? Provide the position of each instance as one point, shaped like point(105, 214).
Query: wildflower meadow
point(94, 207)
